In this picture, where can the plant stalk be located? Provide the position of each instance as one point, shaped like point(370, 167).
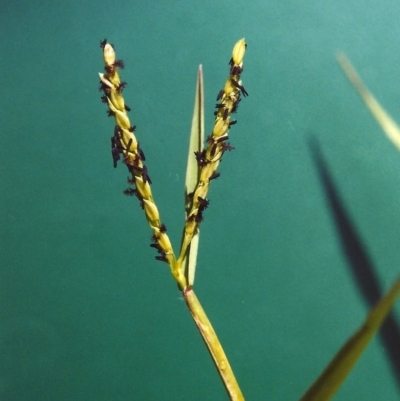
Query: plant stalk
point(213, 344)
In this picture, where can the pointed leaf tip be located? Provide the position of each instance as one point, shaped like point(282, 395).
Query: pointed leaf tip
point(386, 122)
point(196, 144)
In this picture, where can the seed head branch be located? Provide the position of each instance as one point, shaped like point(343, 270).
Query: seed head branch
point(125, 144)
point(217, 143)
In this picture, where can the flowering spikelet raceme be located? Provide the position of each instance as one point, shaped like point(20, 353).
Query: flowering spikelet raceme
point(124, 143)
point(208, 160)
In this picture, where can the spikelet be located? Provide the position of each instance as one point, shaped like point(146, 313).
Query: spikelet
point(208, 160)
point(124, 143)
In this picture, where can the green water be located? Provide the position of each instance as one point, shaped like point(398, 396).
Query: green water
point(86, 312)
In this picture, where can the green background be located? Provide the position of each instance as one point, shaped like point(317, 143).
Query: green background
point(86, 312)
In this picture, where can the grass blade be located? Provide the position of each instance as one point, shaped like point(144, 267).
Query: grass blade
point(389, 126)
point(196, 144)
point(325, 387)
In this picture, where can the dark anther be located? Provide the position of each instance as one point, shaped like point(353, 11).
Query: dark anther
point(244, 91)
point(225, 115)
point(103, 87)
point(145, 175)
point(236, 70)
point(127, 108)
point(162, 258)
point(103, 43)
point(130, 192)
point(223, 138)
point(129, 164)
point(235, 83)
point(114, 152)
point(121, 86)
point(218, 106)
point(231, 61)
point(110, 113)
point(236, 105)
point(201, 158)
point(157, 246)
point(116, 147)
point(213, 150)
point(210, 139)
point(143, 171)
point(203, 203)
point(117, 132)
point(233, 122)
point(163, 228)
point(220, 93)
point(104, 99)
point(128, 146)
point(140, 151)
point(132, 128)
point(214, 175)
point(120, 64)
point(193, 217)
point(140, 198)
point(240, 87)
point(228, 147)
point(198, 217)
point(110, 69)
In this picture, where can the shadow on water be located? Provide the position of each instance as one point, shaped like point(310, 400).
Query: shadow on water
point(360, 264)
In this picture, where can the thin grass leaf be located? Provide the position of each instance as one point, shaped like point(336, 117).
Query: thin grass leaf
point(325, 387)
point(389, 126)
point(196, 144)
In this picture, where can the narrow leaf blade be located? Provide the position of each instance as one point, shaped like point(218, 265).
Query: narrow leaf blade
point(388, 125)
point(196, 144)
point(330, 380)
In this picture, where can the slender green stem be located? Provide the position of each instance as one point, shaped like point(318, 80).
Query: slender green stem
point(213, 345)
